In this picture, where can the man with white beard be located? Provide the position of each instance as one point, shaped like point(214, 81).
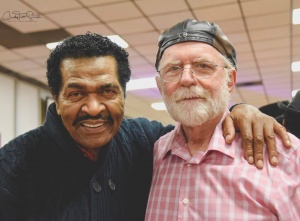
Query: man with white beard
point(196, 175)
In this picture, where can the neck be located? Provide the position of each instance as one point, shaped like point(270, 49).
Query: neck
point(198, 137)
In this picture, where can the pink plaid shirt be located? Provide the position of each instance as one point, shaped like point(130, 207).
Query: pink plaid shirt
point(219, 184)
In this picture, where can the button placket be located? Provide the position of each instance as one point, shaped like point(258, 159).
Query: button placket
point(111, 184)
point(96, 185)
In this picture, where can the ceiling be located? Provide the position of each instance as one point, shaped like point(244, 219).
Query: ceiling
point(261, 30)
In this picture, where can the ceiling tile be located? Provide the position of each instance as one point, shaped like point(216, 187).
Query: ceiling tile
point(269, 21)
point(75, 17)
point(155, 7)
point(271, 44)
point(40, 24)
point(272, 53)
point(21, 65)
point(141, 38)
point(33, 51)
point(137, 61)
point(261, 7)
point(13, 7)
point(42, 60)
point(115, 12)
point(35, 73)
point(165, 21)
point(56, 5)
point(147, 49)
point(208, 3)
point(237, 38)
point(100, 2)
point(296, 30)
point(242, 48)
point(269, 33)
point(7, 55)
point(219, 13)
point(131, 26)
point(98, 28)
point(44, 37)
point(229, 26)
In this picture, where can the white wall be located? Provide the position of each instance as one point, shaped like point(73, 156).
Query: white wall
point(21, 107)
point(7, 109)
point(27, 108)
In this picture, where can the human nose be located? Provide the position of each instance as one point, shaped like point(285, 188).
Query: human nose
point(93, 105)
point(187, 76)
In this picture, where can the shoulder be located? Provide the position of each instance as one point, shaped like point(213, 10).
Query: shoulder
point(143, 126)
point(12, 154)
point(293, 152)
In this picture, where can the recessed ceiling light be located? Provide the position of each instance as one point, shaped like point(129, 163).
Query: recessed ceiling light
point(118, 40)
point(159, 106)
point(296, 16)
point(296, 66)
point(294, 92)
point(114, 38)
point(52, 45)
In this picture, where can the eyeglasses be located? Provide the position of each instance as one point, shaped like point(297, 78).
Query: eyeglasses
point(200, 70)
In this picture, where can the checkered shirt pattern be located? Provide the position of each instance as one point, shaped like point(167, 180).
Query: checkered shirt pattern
point(219, 184)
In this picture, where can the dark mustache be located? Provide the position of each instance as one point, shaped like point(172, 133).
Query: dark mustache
point(88, 117)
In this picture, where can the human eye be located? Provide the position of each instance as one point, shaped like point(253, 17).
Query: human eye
point(203, 65)
point(172, 70)
point(75, 95)
point(109, 92)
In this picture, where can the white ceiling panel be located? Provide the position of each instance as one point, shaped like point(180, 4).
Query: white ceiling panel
point(56, 5)
point(131, 26)
point(116, 12)
point(165, 21)
point(97, 28)
point(33, 51)
point(209, 3)
point(73, 17)
point(100, 2)
point(219, 13)
point(155, 7)
point(144, 38)
point(269, 21)
point(261, 7)
point(21, 65)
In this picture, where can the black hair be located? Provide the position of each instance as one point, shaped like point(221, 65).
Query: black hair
point(85, 46)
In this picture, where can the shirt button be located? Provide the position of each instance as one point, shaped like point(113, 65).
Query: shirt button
point(96, 186)
point(188, 164)
point(185, 200)
point(111, 185)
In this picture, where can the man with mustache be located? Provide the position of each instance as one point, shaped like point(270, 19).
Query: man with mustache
point(196, 175)
point(88, 162)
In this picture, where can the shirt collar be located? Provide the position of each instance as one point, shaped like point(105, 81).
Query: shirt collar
point(176, 141)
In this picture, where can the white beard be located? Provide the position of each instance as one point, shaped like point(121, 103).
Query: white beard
point(196, 112)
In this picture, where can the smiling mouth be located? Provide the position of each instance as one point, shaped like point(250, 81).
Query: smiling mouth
point(92, 125)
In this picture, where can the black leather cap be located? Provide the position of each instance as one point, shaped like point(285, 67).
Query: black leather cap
point(200, 31)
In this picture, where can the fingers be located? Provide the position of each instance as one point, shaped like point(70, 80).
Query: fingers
point(282, 133)
point(258, 144)
point(247, 140)
point(228, 129)
point(271, 143)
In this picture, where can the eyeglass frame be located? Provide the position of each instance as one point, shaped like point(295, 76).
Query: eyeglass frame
point(191, 70)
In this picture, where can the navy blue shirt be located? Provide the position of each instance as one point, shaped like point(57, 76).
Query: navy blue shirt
point(45, 176)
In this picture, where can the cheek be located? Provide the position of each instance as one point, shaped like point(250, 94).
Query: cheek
point(168, 88)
